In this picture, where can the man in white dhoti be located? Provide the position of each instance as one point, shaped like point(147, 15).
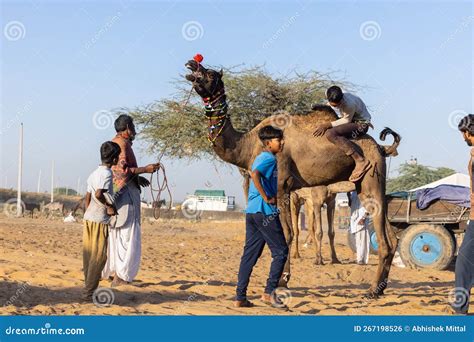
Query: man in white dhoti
point(359, 222)
point(124, 252)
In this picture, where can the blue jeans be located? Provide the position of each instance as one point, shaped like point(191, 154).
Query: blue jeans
point(464, 271)
point(261, 229)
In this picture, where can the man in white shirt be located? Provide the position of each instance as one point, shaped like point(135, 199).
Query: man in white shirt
point(359, 222)
point(354, 121)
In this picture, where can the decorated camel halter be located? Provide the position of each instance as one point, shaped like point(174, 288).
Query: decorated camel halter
point(215, 109)
point(214, 113)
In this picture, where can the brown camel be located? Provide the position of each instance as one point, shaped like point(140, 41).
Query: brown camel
point(304, 162)
point(314, 198)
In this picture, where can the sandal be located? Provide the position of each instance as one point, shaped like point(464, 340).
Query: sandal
point(359, 171)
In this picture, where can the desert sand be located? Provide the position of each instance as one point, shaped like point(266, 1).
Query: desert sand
point(190, 268)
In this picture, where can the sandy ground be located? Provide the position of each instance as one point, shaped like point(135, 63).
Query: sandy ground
point(191, 268)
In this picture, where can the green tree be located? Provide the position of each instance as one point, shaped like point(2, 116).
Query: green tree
point(175, 127)
point(415, 175)
point(63, 191)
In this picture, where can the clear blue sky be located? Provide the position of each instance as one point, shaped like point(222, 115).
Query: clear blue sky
point(64, 61)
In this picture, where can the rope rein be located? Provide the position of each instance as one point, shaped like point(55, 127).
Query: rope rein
point(162, 185)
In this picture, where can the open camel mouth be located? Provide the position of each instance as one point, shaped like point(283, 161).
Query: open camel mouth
point(193, 66)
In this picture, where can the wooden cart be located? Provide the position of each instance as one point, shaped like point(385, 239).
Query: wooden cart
point(427, 238)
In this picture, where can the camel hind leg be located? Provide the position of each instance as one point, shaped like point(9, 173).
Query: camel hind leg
point(372, 195)
point(295, 206)
point(330, 209)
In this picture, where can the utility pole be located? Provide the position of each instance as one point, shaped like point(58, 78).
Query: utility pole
point(19, 208)
point(39, 181)
point(78, 184)
point(52, 182)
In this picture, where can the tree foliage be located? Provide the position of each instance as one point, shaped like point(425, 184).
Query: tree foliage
point(65, 191)
point(414, 175)
point(176, 127)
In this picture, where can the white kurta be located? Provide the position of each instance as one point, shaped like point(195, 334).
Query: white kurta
point(360, 231)
point(124, 247)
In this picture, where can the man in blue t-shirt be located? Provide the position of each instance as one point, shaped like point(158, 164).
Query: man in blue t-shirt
point(262, 224)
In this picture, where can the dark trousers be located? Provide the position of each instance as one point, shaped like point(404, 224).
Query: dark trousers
point(464, 272)
point(261, 229)
point(341, 134)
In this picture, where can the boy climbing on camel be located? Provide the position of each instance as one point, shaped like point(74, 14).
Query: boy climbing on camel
point(262, 224)
point(354, 121)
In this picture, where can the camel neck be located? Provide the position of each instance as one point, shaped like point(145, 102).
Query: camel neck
point(235, 147)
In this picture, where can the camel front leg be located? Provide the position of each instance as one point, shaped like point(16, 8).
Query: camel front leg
point(285, 185)
point(331, 205)
point(318, 233)
point(285, 219)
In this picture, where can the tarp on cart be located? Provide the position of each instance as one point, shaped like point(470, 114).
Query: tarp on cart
point(459, 195)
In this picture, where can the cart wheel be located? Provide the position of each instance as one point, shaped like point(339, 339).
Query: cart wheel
point(374, 246)
point(427, 245)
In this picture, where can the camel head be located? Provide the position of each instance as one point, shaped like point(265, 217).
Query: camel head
point(206, 82)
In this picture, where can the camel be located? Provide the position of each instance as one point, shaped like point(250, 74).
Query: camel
point(305, 161)
point(314, 198)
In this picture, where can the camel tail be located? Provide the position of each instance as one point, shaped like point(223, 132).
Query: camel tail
point(391, 150)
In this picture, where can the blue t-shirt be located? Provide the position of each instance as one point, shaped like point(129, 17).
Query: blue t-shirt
point(266, 164)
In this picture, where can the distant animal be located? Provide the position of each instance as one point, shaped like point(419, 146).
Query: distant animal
point(54, 207)
point(79, 205)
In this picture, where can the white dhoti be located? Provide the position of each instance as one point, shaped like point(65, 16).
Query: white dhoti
point(362, 242)
point(124, 247)
point(360, 230)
